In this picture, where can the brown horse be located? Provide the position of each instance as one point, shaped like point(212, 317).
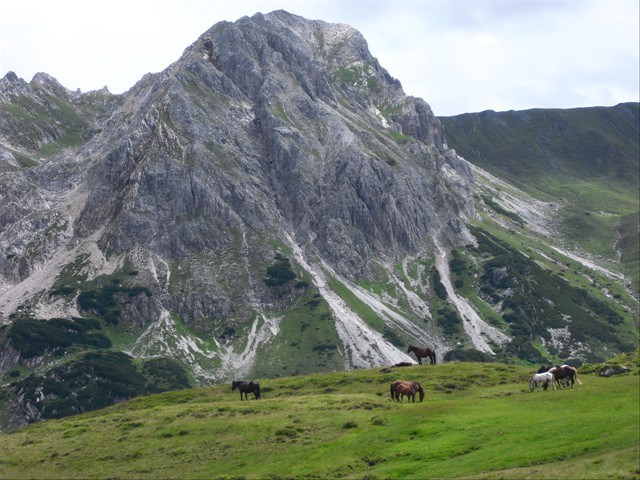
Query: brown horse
point(423, 353)
point(566, 373)
point(402, 388)
point(246, 388)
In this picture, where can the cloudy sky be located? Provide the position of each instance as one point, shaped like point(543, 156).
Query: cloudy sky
point(458, 55)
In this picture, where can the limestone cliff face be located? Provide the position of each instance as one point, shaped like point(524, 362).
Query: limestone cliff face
point(276, 124)
point(272, 139)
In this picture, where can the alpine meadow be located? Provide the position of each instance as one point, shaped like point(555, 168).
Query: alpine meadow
point(272, 207)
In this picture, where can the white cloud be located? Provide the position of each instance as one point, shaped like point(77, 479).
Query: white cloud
point(459, 55)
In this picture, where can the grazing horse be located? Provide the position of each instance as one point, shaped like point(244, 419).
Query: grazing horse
point(566, 373)
point(542, 379)
point(543, 368)
point(246, 388)
point(423, 353)
point(406, 388)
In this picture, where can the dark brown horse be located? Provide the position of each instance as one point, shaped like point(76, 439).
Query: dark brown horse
point(246, 388)
point(566, 373)
point(406, 388)
point(423, 353)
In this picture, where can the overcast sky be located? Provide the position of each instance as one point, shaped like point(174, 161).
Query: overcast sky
point(458, 55)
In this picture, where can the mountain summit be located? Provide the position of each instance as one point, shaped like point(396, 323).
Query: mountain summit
point(273, 130)
point(272, 203)
point(279, 127)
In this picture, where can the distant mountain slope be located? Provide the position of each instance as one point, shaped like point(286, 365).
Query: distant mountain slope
point(587, 159)
point(42, 118)
point(530, 148)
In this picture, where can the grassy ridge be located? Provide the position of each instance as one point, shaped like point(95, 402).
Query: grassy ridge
point(585, 159)
point(477, 420)
point(539, 148)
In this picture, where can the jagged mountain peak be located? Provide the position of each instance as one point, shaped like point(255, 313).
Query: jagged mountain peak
point(272, 130)
point(293, 117)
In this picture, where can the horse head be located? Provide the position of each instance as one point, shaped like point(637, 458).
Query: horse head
point(418, 388)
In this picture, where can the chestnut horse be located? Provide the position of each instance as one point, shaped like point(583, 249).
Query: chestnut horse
point(565, 372)
point(423, 353)
point(246, 388)
point(406, 388)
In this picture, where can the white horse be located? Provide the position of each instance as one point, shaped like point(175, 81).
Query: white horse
point(542, 379)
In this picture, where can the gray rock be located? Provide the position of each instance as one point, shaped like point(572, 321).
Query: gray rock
point(270, 128)
point(609, 370)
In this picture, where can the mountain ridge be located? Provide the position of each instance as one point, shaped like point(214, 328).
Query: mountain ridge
point(273, 203)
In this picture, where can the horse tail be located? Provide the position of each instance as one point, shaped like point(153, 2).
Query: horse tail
point(256, 390)
point(575, 375)
point(392, 390)
point(434, 358)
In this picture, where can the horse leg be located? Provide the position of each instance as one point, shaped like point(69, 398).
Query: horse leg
point(419, 360)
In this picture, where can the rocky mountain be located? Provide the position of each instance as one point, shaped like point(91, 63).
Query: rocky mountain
point(270, 204)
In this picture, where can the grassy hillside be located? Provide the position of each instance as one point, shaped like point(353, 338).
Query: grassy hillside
point(539, 150)
point(585, 159)
point(477, 421)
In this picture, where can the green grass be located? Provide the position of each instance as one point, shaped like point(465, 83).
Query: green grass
point(308, 340)
point(399, 137)
point(585, 159)
point(362, 309)
point(630, 247)
point(477, 421)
